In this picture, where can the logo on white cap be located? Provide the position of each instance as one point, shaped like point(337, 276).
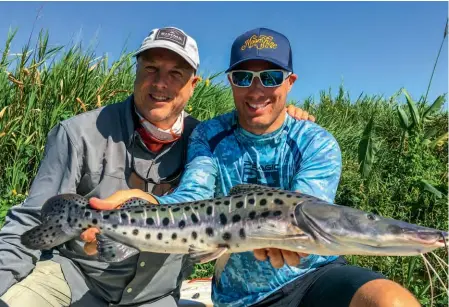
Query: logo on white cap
point(175, 40)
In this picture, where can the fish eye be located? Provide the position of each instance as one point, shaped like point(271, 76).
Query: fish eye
point(371, 217)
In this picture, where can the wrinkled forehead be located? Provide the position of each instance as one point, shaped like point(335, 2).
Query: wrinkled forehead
point(163, 56)
point(256, 65)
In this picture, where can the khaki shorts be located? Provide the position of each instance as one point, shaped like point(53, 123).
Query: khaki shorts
point(44, 287)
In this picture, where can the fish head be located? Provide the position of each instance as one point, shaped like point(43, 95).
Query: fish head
point(347, 230)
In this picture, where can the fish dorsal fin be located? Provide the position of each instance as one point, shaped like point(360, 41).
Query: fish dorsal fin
point(248, 188)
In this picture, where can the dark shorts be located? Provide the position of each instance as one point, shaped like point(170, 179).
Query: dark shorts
point(333, 284)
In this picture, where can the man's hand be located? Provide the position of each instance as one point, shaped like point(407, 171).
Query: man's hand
point(279, 256)
point(112, 202)
point(299, 114)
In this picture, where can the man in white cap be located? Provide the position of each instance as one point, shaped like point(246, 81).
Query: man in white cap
point(137, 144)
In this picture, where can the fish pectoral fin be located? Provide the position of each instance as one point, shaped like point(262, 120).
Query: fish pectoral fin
point(271, 231)
point(248, 188)
point(198, 255)
point(113, 251)
point(219, 266)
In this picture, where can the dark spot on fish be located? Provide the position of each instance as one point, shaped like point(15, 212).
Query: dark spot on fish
point(83, 229)
point(68, 219)
point(133, 220)
point(196, 207)
point(218, 202)
point(148, 236)
point(114, 226)
point(159, 236)
point(53, 234)
point(184, 240)
point(175, 209)
point(138, 211)
point(209, 231)
point(242, 233)
point(150, 221)
point(174, 236)
point(88, 226)
point(106, 216)
point(239, 204)
point(265, 213)
point(227, 202)
point(237, 196)
point(165, 221)
point(163, 209)
point(209, 210)
point(186, 208)
point(124, 233)
point(202, 241)
point(135, 232)
point(57, 221)
point(236, 218)
point(237, 245)
point(87, 214)
point(223, 219)
point(289, 195)
point(46, 236)
point(277, 213)
point(250, 194)
point(113, 255)
point(223, 245)
point(182, 224)
point(251, 201)
point(260, 194)
point(51, 227)
point(291, 215)
point(124, 216)
point(154, 209)
point(226, 236)
point(270, 194)
point(263, 202)
point(194, 235)
point(109, 228)
point(252, 215)
point(202, 205)
point(194, 218)
point(278, 201)
point(95, 221)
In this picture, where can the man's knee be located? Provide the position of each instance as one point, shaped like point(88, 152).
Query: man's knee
point(383, 293)
point(45, 286)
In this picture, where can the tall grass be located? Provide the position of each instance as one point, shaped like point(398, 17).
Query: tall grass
point(393, 165)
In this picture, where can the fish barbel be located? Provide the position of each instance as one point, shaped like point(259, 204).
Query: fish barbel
point(251, 217)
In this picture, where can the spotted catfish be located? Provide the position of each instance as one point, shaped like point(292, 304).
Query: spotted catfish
point(251, 217)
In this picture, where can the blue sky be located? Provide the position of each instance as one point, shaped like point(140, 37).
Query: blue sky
point(373, 48)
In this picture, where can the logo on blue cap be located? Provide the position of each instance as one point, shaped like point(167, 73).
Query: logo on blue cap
point(262, 44)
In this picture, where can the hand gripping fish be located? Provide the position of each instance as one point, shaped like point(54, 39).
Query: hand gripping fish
point(251, 217)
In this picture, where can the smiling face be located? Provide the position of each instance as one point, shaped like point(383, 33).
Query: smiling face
point(164, 83)
point(261, 109)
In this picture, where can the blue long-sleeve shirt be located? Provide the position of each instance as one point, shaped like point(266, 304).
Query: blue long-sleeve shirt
point(300, 156)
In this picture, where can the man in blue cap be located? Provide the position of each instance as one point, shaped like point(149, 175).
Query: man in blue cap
point(259, 143)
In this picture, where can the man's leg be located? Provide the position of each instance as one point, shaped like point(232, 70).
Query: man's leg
point(44, 287)
point(353, 286)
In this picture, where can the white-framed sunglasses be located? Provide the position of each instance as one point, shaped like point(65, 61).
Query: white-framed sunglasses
point(268, 78)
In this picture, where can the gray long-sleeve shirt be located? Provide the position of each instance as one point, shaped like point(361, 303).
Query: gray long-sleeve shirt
point(94, 154)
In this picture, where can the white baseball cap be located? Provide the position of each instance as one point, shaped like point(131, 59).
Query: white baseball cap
point(175, 40)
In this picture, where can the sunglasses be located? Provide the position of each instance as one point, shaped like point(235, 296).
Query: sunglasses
point(141, 181)
point(268, 78)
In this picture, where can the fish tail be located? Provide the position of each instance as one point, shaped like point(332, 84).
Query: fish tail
point(57, 222)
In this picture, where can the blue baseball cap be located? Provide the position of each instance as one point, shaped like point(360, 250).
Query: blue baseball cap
point(262, 44)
